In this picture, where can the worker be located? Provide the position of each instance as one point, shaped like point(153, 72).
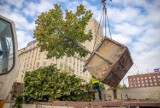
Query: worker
point(96, 85)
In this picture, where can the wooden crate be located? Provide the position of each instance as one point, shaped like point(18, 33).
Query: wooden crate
point(109, 62)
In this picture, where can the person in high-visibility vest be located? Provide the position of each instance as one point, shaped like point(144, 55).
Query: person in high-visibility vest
point(96, 85)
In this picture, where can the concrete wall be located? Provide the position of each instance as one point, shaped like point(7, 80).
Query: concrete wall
point(147, 93)
point(8, 105)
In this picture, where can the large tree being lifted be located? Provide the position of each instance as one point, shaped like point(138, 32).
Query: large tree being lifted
point(60, 35)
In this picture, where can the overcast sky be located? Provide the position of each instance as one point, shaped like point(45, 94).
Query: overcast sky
point(134, 23)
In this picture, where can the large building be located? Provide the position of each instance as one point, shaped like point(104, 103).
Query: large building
point(144, 80)
point(31, 58)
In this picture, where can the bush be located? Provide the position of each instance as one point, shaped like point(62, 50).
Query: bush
point(50, 84)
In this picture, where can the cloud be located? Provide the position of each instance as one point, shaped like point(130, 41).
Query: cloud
point(20, 21)
point(44, 6)
point(127, 29)
point(33, 9)
point(127, 14)
point(23, 38)
point(148, 60)
point(4, 9)
point(16, 3)
point(122, 39)
point(151, 36)
point(61, 1)
point(29, 12)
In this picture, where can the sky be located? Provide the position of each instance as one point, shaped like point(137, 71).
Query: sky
point(134, 23)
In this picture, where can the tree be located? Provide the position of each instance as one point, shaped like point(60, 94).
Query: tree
point(124, 86)
point(61, 36)
point(118, 87)
point(49, 84)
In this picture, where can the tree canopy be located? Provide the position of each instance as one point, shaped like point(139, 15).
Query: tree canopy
point(60, 34)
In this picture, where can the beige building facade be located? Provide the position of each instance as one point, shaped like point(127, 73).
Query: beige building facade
point(30, 57)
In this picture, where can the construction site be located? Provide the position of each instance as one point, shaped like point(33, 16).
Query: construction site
point(61, 68)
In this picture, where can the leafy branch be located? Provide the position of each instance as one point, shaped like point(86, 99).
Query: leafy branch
point(60, 35)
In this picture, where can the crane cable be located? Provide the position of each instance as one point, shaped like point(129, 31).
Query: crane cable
point(108, 25)
point(97, 30)
point(104, 18)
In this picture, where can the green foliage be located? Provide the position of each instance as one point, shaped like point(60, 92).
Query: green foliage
point(118, 87)
point(61, 36)
point(124, 86)
point(102, 86)
point(49, 84)
point(18, 101)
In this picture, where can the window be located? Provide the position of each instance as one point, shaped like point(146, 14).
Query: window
point(70, 61)
point(150, 80)
point(45, 56)
point(155, 83)
point(145, 77)
point(21, 77)
point(6, 47)
point(37, 64)
point(154, 76)
point(38, 56)
point(44, 63)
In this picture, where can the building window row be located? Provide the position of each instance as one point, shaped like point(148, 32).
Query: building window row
point(142, 85)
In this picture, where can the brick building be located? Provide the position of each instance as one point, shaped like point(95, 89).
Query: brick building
point(144, 80)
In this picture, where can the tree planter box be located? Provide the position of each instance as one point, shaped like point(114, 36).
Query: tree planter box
point(109, 62)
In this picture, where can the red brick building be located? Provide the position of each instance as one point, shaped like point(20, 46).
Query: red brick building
point(144, 80)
